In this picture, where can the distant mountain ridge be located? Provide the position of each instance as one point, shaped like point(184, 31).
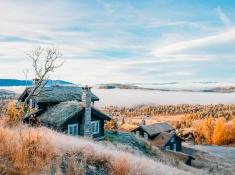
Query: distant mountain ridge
point(174, 86)
point(15, 82)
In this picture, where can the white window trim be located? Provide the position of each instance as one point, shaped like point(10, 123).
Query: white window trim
point(174, 147)
point(145, 135)
point(137, 133)
point(167, 148)
point(31, 103)
point(72, 126)
point(97, 122)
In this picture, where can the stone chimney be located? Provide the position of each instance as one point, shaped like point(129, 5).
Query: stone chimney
point(86, 101)
point(143, 122)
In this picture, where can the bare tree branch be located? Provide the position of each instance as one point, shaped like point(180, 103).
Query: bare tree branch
point(44, 61)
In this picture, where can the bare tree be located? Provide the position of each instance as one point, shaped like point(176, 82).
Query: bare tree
point(44, 61)
point(25, 72)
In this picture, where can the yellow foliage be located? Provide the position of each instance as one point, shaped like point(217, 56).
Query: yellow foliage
point(214, 131)
point(112, 125)
point(207, 129)
point(219, 131)
point(13, 114)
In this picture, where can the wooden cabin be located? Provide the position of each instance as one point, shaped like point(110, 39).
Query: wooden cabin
point(161, 135)
point(67, 109)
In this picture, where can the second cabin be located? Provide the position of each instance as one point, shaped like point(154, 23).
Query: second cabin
point(161, 135)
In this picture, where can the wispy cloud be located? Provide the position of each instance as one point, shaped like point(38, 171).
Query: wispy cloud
point(197, 43)
point(223, 17)
point(116, 40)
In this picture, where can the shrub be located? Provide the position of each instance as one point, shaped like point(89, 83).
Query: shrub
point(112, 125)
point(13, 114)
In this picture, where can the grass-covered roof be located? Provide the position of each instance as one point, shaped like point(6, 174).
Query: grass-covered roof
point(155, 128)
point(60, 113)
point(55, 94)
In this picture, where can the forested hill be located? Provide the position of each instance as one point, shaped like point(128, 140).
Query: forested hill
point(15, 82)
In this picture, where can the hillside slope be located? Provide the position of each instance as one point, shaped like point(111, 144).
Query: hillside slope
point(55, 153)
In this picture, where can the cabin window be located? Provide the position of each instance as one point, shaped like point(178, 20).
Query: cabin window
point(137, 133)
point(31, 103)
point(95, 127)
point(167, 148)
point(174, 147)
point(145, 135)
point(173, 139)
point(73, 129)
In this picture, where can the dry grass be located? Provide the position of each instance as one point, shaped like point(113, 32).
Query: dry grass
point(127, 127)
point(119, 166)
point(25, 150)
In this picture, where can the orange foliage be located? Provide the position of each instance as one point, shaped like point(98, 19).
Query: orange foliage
point(13, 114)
point(214, 131)
point(112, 125)
point(219, 131)
point(207, 129)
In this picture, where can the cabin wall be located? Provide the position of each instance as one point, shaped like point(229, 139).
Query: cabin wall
point(141, 133)
point(171, 144)
point(78, 119)
point(73, 120)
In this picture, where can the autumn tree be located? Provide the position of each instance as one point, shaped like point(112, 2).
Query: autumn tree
point(207, 129)
point(219, 131)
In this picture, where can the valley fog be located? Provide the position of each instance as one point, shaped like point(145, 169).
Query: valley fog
point(130, 97)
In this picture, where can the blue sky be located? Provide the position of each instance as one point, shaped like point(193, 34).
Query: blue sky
point(126, 41)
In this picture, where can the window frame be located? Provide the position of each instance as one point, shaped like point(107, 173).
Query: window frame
point(167, 148)
point(96, 126)
point(137, 133)
point(174, 147)
point(73, 131)
point(146, 135)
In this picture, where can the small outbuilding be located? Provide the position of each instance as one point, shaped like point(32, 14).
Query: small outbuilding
point(160, 134)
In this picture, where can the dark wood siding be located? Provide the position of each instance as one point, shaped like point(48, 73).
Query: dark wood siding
point(171, 144)
point(73, 120)
point(78, 119)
